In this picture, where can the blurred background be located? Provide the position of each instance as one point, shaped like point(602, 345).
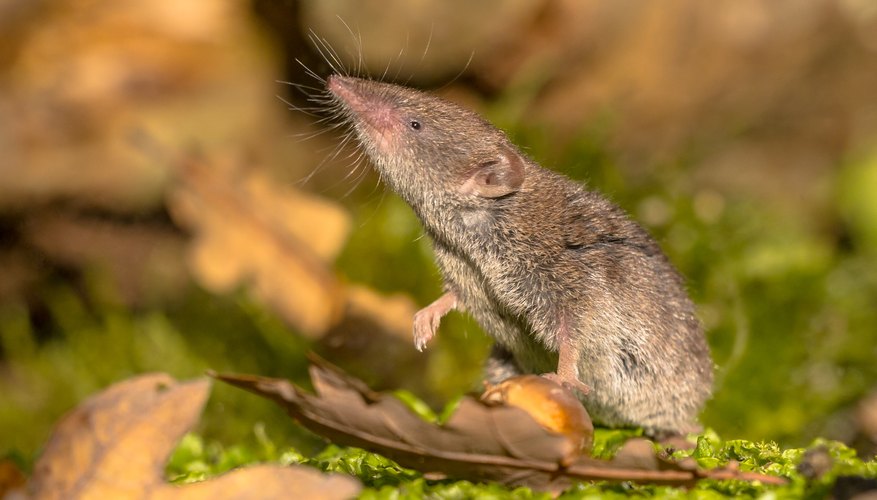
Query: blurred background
point(162, 208)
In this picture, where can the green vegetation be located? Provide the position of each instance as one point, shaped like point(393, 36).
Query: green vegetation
point(788, 303)
point(194, 461)
point(95, 343)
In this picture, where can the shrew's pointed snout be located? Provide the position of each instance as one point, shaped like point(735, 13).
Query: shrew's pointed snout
point(341, 87)
point(371, 108)
point(356, 94)
point(338, 83)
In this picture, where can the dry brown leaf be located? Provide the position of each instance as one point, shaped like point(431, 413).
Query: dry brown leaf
point(479, 442)
point(115, 445)
point(276, 241)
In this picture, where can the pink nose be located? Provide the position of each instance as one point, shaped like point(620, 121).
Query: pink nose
point(352, 91)
point(338, 83)
point(371, 109)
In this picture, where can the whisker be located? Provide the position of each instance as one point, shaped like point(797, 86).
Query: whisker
point(423, 55)
point(383, 77)
point(306, 136)
point(399, 65)
point(336, 57)
point(399, 55)
point(367, 218)
point(292, 107)
point(468, 62)
point(355, 162)
point(359, 178)
point(311, 73)
point(322, 47)
point(357, 40)
point(428, 42)
point(377, 185)
point(360, 64)
point(307, 90)
point(325, 161)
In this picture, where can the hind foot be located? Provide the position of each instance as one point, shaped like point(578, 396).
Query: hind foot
point(573, 384)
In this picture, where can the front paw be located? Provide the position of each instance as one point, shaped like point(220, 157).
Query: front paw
point(426, 323)
point(573, 384)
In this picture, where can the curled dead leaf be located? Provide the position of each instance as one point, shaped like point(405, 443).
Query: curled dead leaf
point(479, 442)
point(115, 445)
point(550, 404)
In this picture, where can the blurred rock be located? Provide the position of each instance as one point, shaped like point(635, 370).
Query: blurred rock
point(764, 97)
point(374, 329)
point(777, 74)
point(866, 420)
point(142, 261)
point(855, 196)
point(426, 41)
point(815, 463)
point(20, 271)
point(84, 75)
point(96, 99)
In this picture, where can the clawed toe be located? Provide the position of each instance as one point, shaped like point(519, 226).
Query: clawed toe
point(573, 385)
point(427, 320)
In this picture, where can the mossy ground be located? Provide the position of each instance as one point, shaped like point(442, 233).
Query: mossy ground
point(383, 479)
point(787, 302)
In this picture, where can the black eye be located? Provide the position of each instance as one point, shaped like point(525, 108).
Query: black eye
point(415, 124)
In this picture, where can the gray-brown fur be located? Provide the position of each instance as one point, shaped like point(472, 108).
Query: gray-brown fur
point(542, 264)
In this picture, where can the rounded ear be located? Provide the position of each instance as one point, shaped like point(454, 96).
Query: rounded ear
point(497, 177)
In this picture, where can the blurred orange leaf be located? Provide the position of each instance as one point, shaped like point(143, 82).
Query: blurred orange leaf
point(276, 241)
point(115, 445)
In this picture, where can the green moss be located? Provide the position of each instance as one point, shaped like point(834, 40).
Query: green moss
point(194, 460)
